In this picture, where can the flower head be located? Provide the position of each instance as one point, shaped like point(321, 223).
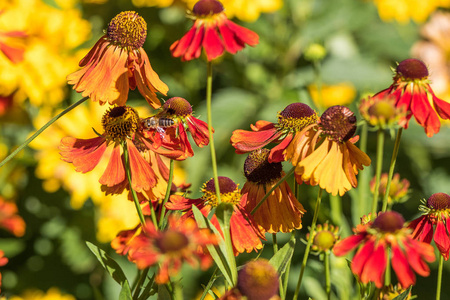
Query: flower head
point(281, 211)
point(117, 63)
point(382, 113)
point(181, 241)
point(258, 279)
point(168, 130)
point(9, 219)
point(324, 237)
point(3, 261)
point(412, 90)
point(390, 292)
point(245, 236)
point(213, 32)
point(386, 231)
point(404, 10)
point(398, 191)
point(434, 223)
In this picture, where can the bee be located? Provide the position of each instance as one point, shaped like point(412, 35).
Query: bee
point(158, 123)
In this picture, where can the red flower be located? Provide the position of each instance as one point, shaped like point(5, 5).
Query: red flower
point(3, 261)
point(9, 219)
point(245, 236)
point(117, 63)
point(168, 130)
point(411, 89)
point(214, 32)
point(436, 212)
point(387, 231)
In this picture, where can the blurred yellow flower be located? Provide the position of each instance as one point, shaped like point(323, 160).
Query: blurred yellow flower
point(51, 36)
point(329, 95)
point(404, 10)
point(52, 294)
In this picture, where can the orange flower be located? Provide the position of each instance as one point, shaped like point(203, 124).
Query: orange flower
point(117, 63)
point(280, 212)
point(213, 32)
point(9, 219)
point(11, 46)
point(120, 125)
point(168, 130)
point(3, 261)
point(245, 236)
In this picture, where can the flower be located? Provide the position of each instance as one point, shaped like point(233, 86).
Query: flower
point(172, 141)
point(329, 95)
point(9, 219)
point(181, 241)
point(294, 133)
point(398, 190)
point(434, 223)
point(390, 292)
point(52, 294)
point(381, 112)
point(281, 211)
point(245, 235)
point(324, 237)
point(404, 10)
point(333, 164)
point(213, 32)
point(411, 89)
point(120, 125)
point(387, 231)
point(3, 261)
point(11, 45)
point(258, 279)
point(117, 63)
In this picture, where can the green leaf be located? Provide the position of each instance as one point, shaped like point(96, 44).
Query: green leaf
point(217, 252)
point(404, 295)
point(108, 264)
point(283, 257)
point(125, 292)
point(223, 214)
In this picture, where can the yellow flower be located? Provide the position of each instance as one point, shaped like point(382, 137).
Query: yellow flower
point(52, 294)
point(404, 10)
point(329, 95)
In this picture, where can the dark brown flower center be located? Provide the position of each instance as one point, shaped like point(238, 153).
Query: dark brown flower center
point(296, 116)
point(257, 168)
point(439, 201)
point(172, 241)
point(120, 122)
point(338, 123)
point(412, 69)
point(226, 185)
point(178, 106)
point(127, 29)
point(229, 191)
point(207, 7)
point(258, 279)
point(389, 221)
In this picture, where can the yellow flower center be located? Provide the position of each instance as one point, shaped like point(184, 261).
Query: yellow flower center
point(324, 240)
point(120, 122)
point(229, 192)
point(127, 30)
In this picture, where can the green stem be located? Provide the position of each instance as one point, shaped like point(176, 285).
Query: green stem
point(439, 278)
point(211, 138)
point(392, 166)
point(271, 190)
point(31, 138)
point(326, 265)
point(275, 245)
point(359, 206)
point(139, 283)
point(380, 146)
point(308, 245)
point(166, 198)
point(336, 209)
point(387, 275)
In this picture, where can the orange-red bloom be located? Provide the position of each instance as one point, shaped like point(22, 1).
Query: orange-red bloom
point(213, 32)
point(10, 45)
point(3, 261)
point(411, 89)
point(120, 125)
point(245, 236)
point(117, 63)
point(374, 238)
point(168, 130)
point(436, 212)
point(182, 241)
point(281, 211)
point(9, 219)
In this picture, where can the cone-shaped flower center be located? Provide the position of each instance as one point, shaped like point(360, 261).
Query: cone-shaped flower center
point(178, 106)
point(296, 116)
point(338, 123)
point(257, 168)
point(207, 7)
point(172, 241)
point(120, 122)
point(127, 29)
point(389, 221)
point(258, 279)
point(411, 69)
point(229, 191)
point(324, 240)
point(439, 201)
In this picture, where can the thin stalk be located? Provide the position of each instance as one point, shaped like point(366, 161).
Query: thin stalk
point(387, 275)
point(275, 245)
point(139, 283)
point(380, 146)
point(166, 198)
point(308, 245)
point(211, 138)
point(40, 130)
point(326, 265)
point(392, 166)
point(439, 278)
point(336, 209)
point(363, 179)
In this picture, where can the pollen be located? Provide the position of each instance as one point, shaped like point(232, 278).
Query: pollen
point(207, 8)
point(120, 122)
point(296, 116)
point(412, 69)
point(177, 106)
point(389, 222)
point(257, 168)
point(127, 30)
point(338, 123)
point(439, 201)
point(229, 191)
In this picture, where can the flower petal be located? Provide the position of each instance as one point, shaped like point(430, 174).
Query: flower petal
point(212, 43)
point(401, 267)
point(375, 267)
point(441, 239)
point(114, 172)
point(346, 245)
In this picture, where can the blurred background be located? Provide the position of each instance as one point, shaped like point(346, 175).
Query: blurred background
point(343, 49)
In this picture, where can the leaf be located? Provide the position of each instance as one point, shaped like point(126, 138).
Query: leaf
point(404, 295)
point(125, 292)
point(217, 252)
point(283, 257)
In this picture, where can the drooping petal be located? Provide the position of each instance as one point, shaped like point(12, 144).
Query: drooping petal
point(115, 171)
point(361, 257)
point(195, 48)
point(243, 35)
point(199, 131)
point(277, 152)
point(415, 260)
point(401, 267)
point(346, 245)
point(231, 44)
point(375, 267)
point(84, 154)
point(442, 107)
point(246, 141)
point(441, 239)
point(180, 47)
point(212, 43)
point(142, 175)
